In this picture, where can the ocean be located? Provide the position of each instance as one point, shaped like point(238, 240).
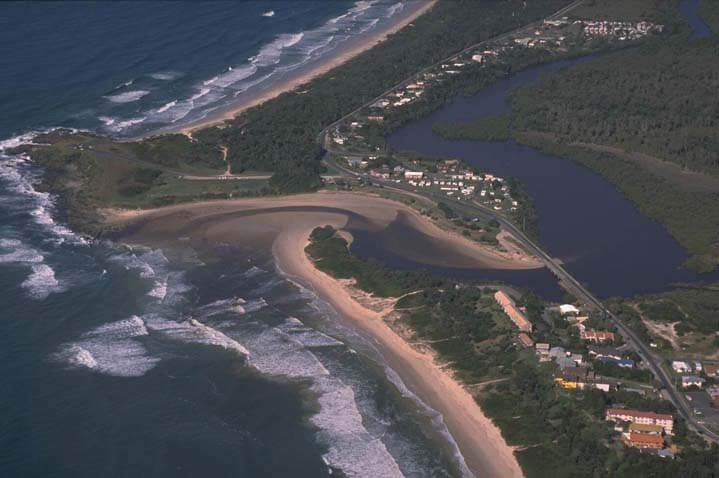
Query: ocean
point(120, 360)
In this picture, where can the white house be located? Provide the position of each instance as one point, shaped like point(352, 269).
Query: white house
point(567, 309)
point(413, 174)
point(681, 367)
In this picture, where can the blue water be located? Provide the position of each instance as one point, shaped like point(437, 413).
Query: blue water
point(103, 371)
point(127, 68)
point(688, 9)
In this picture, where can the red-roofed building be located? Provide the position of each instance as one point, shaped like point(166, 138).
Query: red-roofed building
point(525, 340)
point(640, 440)
point(511, 310)
point(647, 418)
point(598, 336)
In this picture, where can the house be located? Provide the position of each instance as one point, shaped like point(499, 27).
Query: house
point(375, 118)
point(697, 366)
point(542, 350)
point(713, 392)
point(691, 380)
point(597, 336)
point(636, 416)
point(624, 363)
point(640, 440)
point(566, 362)
point(413, 174)
point(525, 340)
point(681, 367)
point(711, 370)
point(645, 429)
point(568, 309)
point(557, 352)
point(598, 352)
point(511, 310)
point(477, 58)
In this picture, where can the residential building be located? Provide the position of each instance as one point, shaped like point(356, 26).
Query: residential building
point(645, 428)
point(375, 118)
point(713, 392)
point(511, 310)
point(691, 380)
point(568, 309)
point(597, 336)
point(697, 366)
point(598, 352)
point(624, 363)
point(711, 370)
point(681, 367)
point(557, 352)
point(640, 440)
point(637, 416)
point(542, 351)
point(413, 174)
point(525, 340)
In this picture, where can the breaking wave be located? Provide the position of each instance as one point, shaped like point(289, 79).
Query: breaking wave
point(286, 52)
point(111, 349)
point(42, 282)
point(127, 96)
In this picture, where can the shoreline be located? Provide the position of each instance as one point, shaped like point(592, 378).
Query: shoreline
point(282, 225)
point(345, 54)
point(378, 213)
point(479, 440)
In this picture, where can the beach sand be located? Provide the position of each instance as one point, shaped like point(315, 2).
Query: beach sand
point(484, 450)
point(260, 219)
point(283, 225)
point(412, 11)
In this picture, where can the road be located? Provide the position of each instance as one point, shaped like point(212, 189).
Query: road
point(566, 279)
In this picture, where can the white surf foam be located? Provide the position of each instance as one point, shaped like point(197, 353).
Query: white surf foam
point(270, 53)
point(21, 177)
point(194, 332)
point(111, 349)
point(166, 75)
point(233, 305)
point(42, 282)
point(127, 96)
point(394, 9)
point(166, 106)
point(19, 253)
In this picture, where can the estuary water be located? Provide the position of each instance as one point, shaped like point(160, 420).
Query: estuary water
point(601, 237)
point(126, 361)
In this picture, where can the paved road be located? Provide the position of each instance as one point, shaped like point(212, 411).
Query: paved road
point(565, 278)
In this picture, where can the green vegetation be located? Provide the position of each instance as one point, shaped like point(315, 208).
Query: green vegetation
point(494, 128)
point(658, 100)
point(696, 306)
point(709, 12)
point(655, 11)
point(280, 136)
point(559, 433)
point(91, 171)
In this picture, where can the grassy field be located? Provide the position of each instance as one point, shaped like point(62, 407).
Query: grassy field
point(93, 171)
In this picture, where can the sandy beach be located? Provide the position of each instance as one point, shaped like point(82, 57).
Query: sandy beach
point(283, 225)
point(259, 219)
point(480, 441)
point(412, 11)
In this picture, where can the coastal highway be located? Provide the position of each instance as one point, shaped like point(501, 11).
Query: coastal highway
point(473, 208)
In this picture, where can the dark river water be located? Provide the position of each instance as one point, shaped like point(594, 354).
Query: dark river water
point(602, 238)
